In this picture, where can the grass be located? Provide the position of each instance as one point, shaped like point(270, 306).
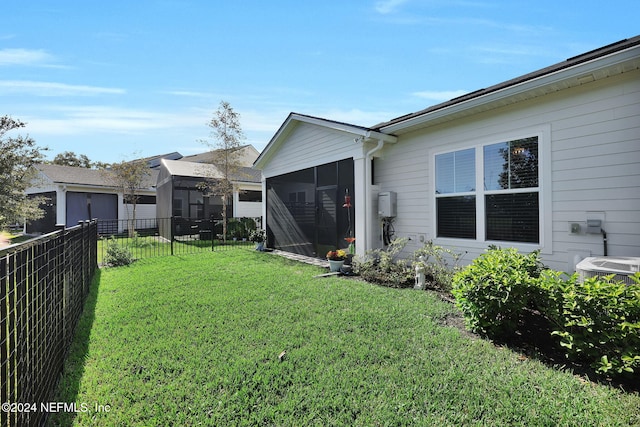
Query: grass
point(189, 340)
point(152, 246)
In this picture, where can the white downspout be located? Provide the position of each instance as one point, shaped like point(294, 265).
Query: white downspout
point(368, 229)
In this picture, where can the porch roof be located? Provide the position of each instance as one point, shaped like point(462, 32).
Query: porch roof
point(207, 170)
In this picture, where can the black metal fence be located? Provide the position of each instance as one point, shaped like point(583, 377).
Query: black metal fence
point(43, 285)
point(173, 236)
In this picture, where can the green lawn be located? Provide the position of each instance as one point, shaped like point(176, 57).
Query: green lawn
point(196, 339)
point(152, 246)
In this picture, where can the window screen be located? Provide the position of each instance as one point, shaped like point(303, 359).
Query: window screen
point(456, 212)
point(513, 217)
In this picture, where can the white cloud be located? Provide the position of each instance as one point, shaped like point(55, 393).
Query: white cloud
point(53, 89)
point(96, 119)
point(28, 57)
point(388, 6)
point(440, 96)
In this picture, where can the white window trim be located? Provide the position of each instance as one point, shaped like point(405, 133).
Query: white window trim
point(544, 190)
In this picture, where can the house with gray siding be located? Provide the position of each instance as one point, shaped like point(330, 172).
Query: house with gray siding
point(75, 194)
point(547, 161)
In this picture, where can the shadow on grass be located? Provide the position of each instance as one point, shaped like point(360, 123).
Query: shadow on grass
point(73, 370)
point(533, 339)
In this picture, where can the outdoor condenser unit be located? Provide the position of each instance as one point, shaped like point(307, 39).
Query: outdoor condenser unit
point(622, 267)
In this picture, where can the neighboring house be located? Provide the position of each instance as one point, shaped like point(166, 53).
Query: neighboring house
point(154, 161)
point(76, 194)
point(526, 163)
point(178, 194)
point(243, 156)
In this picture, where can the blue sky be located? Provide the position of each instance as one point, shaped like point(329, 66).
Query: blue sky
point(121, 79)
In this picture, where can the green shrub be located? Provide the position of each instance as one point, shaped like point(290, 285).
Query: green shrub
point(117, 255)
point(599, 321)
point(434, 260)
point(240, 228)
point(382, 266)
point(141, 242)
point(494, 289)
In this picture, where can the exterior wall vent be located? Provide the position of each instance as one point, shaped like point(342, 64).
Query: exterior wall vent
point(622, 267)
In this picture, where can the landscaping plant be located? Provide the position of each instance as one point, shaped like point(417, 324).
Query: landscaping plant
point(384, 267)
point(434, 261)
point(599, 321)
point(495, 288)
point(117, 255)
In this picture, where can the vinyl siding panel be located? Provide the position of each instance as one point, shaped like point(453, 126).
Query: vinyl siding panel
point(310, 145)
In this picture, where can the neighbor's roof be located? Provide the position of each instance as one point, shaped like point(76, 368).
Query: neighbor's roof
point(529, 85)
point(84, 176)
point(207, 170)
point(154, 161)
point(248, 154)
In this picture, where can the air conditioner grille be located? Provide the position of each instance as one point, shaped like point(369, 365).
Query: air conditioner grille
point(622, 267)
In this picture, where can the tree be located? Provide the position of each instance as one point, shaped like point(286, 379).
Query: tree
point(225, 137)
point(69, 158)
point(130, 178)
point(520, 167)
point(18, 155)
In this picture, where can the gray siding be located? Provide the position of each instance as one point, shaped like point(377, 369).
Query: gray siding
point(592, 169)
point(310, 145)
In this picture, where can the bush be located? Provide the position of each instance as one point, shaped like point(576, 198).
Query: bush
point(383, 267)
point(141, 242)
point(434, 260)
point(495, 288)
point(599, 321)
point(258, 236)
point(240, 228)
point(117, 255)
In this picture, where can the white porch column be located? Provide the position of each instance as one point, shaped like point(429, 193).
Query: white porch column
point(61, 205)
point(122, 213)
point(362, 211)
point(264, 203)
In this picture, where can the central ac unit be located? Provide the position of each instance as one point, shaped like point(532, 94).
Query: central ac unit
point(622, 267)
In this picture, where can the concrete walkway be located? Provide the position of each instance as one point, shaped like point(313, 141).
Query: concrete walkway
point(306, 259)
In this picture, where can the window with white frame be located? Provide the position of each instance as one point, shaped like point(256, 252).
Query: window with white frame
point(502, 198)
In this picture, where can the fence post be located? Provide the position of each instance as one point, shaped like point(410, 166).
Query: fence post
point(62, 293)
point(172, 224)
point(82, 255)
point(213, 233)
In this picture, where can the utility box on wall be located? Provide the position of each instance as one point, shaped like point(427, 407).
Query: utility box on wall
point(387, 204)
